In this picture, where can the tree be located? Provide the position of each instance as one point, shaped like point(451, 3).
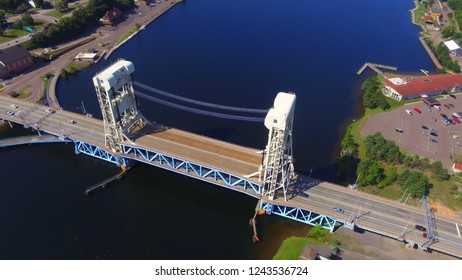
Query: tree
point(369, 172)
point(61, 5)
point(27, 19)
point(414, 182)
point(439, 171)
point(2, 18)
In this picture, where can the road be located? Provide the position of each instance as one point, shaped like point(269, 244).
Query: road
point(237, 160)
point(373, 213)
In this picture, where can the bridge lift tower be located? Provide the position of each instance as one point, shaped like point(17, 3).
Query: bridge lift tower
point(116, 97)
point(278, 168)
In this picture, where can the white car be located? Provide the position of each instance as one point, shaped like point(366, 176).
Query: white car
point(9, 113)
point(437, 107)
point(14, 106)
point(50, 111)
point(71, 121)
point(409, 112)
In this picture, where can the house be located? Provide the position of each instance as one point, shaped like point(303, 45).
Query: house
point(410, 88)
point(457, 167)
point(436, 26)
point(14, 60)
point(110, 17)
point(428, 19)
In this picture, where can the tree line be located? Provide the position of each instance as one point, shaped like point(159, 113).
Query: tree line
point(82, 20)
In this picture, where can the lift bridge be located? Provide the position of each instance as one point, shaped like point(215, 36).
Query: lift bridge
point(125, 136)
point(129, 136)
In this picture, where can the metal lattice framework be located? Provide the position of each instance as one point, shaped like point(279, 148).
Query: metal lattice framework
point(300, 215)
point(95, 151)
point(278, 163)
point(116, 97)
point(193, 170)
point(432, 236)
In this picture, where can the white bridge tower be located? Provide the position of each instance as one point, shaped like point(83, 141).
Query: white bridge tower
point(116, 97)
point(278, 168)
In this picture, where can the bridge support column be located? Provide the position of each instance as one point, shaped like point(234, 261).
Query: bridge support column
point(278, 166)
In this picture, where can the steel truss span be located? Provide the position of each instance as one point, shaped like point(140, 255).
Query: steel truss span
point(95, 151)
point(193, 170)
point(300, 215)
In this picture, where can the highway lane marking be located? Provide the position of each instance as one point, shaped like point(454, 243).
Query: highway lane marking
point(457, 227)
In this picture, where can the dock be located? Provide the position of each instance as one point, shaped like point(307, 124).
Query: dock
point(430, 53)
point(375, 67)
point(104, 183)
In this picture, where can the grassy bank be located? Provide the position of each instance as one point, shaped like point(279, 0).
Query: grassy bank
point(129, 33)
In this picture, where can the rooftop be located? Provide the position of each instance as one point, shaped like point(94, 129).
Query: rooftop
point(425, 84)
point(12, 53)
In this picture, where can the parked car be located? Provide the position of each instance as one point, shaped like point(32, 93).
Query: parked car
point(433, 140)
point(437, 107)
point(445, 121)
point(421, 228)
point(417, 110)
point(409, 112)
point(429, 108)
point(455, 115)
point(424, 127)
point(340, 210)
point(424, 133)
point(447, 106)
point(444, 116)
point(9, 113)
point(434, 134)
point(49, 111)
point(451, 105)
point(14, 106)
point(456, 120)
point(71, 121)
point(400, 130)
point(453, 96)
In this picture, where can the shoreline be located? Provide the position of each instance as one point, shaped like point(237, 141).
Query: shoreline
point(143, 26)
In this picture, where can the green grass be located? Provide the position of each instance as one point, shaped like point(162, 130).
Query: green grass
point(58, 14)
point(13, 34)
point(419, 13)
point(127, 34)
point(292, 247)
point(23, 93)
point(66, 48)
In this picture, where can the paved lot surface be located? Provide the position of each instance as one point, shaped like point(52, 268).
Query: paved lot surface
point(412, 139)
point(379, 247)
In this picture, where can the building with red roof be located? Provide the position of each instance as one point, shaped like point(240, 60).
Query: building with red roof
point(411, 88)
point(457, 167)
point(111, 16)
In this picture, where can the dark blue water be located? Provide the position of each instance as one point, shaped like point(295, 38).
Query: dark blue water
point(238, 53)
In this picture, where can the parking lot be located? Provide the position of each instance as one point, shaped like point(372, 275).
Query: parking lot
point(445, 141)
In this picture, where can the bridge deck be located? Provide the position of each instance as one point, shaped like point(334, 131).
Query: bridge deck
point(375, 214)
point(235, 159)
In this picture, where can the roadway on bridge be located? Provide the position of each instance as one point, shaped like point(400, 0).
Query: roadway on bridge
point(235, 159)
point(375, 214)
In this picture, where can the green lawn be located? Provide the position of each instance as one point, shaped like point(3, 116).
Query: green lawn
point(127, 34)
point(13, 34)
point(58, 14)
point(292, 247)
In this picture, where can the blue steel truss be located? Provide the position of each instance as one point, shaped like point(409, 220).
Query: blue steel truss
point(299, 214)
point(95, 151)
point(194, 170)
